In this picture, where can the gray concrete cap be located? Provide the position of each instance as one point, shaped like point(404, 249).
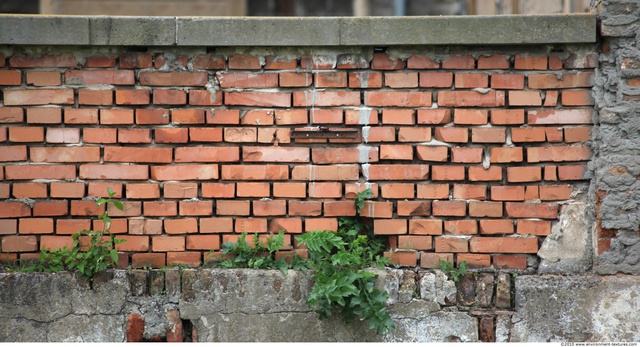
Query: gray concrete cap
point(302, 31)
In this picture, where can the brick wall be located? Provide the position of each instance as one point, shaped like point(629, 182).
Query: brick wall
point(470, 154)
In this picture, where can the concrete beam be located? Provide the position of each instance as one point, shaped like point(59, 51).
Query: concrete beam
point(299, 31)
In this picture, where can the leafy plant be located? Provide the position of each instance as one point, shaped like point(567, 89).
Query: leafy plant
point(257, 255)
point(453, 272)
point(341, 283)
point(88, 257)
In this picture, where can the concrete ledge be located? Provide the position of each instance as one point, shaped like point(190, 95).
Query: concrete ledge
point(301, 31)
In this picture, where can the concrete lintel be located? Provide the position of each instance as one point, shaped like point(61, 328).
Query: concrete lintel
point(296, 31)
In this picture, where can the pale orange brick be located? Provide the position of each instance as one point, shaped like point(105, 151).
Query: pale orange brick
point(390, 227)
point(425, 227)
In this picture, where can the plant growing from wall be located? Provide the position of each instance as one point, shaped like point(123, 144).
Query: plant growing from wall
point(257, 255)
point(453, 272)
point(92, 251)
point(341, 283)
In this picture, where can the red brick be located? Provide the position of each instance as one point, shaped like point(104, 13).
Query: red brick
point(233, 208)
point(503, 245)
point(208, 62)
point(365, 79)
point(534, 227)
point(485, 209)
point(13, 153)
point(168, 243)
point(257, 117)
point(19, 244)
point(137, 155)
point(551, 98)
point(403, 258)
point(398, 190)
point(396, 152)
point(280, 63)
point(305, 208)
point(581, 61)
point(44, 115)
point(432, 153)
point(72, 226)
point(99, 61)
point(132, 97)
point(67, 189)
point(50, 208)
point(43, 78)
point(451, 134)
point(474, 261)
point(556, 192)
point(398, 116)
point(514, 262)
point(432, 260)
point(436, 79)
point(469, 191)
point(205, 98)
point(507, 193)
point(413, 208)
point(352, 189)
point(44, 61)
point(114, 171)
point(116, 116)
point(257, 172)
point(180, 190)
point(496, 226)
point(425, 227)
point(187, 116)
point(377, 209)
point(332, 79)
point(525, 98)
point(34, 172)
point(339, 208)
point(577, 134)
point(411, 134)
point(465, 98)
point(577, 98)
point(398, 172)
point(507, 81)
point(29, 190)
point(181, 226)
point(470, 117)
point(314, 224)
point(325, 190)
point(461, 227)
point(244, 62)
point(295, 79)
point(133, 243)
point(253, 189)
point(488, 135)
point(352, 61)
point(389, 226)
point(81, 116)
point(529, 62)
point(142, 191)
point(160, 208)
point(416, 242)
point(507, 117)
point(558, 153)
point(531, 210)
point(417, 61)
point(38, 97)
point(35, 226)
point(397, 98)
point(289, 190)
point(262, 99)
point(506, 155)
point(134, 135)
point(26, 134)
point(449, 208)
point(564, 80)
point(11, 115)
point(325, 98)
point(92, 77)
point(463, 62)
point(63, 135)
point(434, 116)
point(401, 79)
point(148, 260)
point(169, 97)
point(451, 244)
point(466, 154)
point(524, 174)
point(171, 135)
point(382, 61)
point(494, 62)
point(571, 172)
point(203, 242)
point(325, 173)
point(64, 154)
point(247, 80)
point(528, 134)
point(152, 116)
point(135, 60)
point(324, 116)
point(202, 154)
point(341, 155)
point(216, 225)
point(471, 80)
point(171, 79)
point(184, 172)
point(447, 173)
point(48, 242)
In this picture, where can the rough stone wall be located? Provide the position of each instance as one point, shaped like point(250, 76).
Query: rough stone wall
point(616, 165)
point(472, 152)
point(240, 305)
